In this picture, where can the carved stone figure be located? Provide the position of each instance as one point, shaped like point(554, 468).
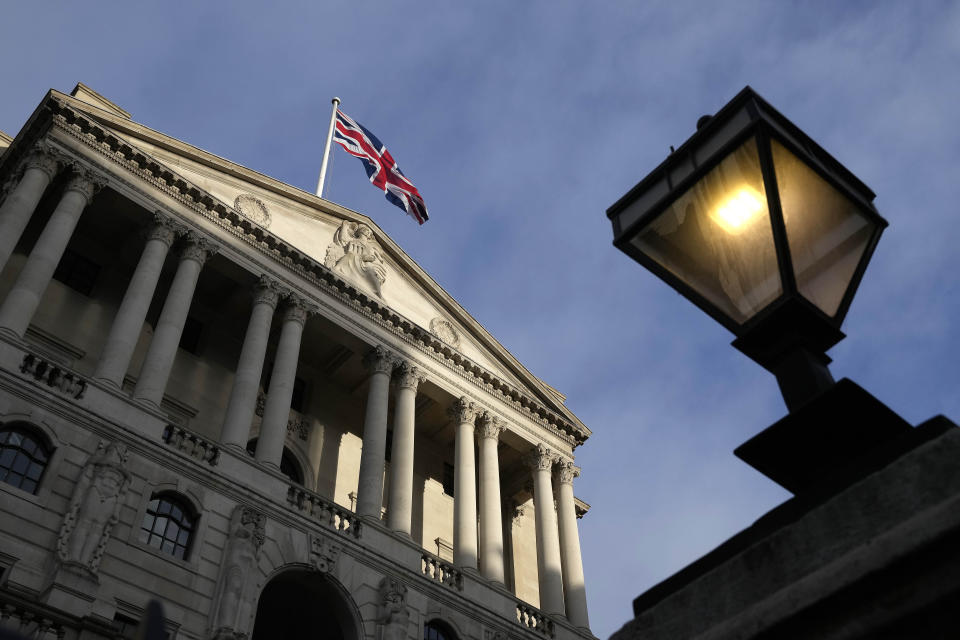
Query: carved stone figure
point(394, 615)
point(240, 557)
point(356, 255)
point(94, 509)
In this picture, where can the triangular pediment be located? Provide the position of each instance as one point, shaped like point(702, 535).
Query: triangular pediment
point(347, 242)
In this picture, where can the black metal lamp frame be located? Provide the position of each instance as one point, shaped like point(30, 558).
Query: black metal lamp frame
point(788, 337)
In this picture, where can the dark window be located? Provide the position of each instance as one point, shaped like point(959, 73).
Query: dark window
point(288, 463)
point(437, 631)
point(77, 272)
point(389, 451)
point(168, 525)
point(125, 625)
point(190, 338)
point(299, 394)
point(23, 457)
point(448, 483)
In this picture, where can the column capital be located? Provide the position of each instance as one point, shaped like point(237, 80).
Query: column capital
point(540, 458)
point(266, 291)
point(379, 360)
point(296, 310)
point(45, 157)
point(567, 471)
point(162, 228)
point(85, 182)
point(490, 426)
point(408, 376)
point(197, 248)
point(462, 410)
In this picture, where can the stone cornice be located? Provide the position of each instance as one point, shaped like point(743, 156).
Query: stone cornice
point(120, 152)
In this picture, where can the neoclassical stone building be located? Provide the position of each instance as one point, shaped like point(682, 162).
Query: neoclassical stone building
point(247, 402)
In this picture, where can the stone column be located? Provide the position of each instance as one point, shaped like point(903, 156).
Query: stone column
point(574, 590)
point(24, 298)
point(370, 488)
point(540, 461)
point(400, 502)
point(40, 168)
point(246, 381)
point(491, 523)
point(128, 322)
point(166, 337)
point(464, 413)
point(276, 412)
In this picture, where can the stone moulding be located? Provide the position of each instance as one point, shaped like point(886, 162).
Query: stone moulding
point(120, 152)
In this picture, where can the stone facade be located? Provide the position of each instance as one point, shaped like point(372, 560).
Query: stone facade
point(246, 402)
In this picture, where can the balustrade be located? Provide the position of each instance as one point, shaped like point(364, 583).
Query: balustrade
point(533, 618)
point(196, 447)
point(29, 623)
point(324, 511)
point(53, 376)
point(440, 570)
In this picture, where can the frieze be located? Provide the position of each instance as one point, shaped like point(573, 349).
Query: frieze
point(127, 156)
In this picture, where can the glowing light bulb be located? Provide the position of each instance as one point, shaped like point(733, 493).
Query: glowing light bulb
point(739, 209)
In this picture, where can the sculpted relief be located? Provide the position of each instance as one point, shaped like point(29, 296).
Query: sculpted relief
point(394, 615)
point(233, 602)
point(94, 509)
point(356, 255)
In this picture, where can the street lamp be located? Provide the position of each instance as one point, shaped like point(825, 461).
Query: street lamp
point(757, 225)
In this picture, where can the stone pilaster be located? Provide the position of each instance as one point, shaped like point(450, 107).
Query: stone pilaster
point(276, 412)
point(491, 522)
point(246, 381)
point(158, 363)
point(463, 412)
point(541, 460)
point(24, 298)
point(400, 500)
point(122, 339)
point(372, 457)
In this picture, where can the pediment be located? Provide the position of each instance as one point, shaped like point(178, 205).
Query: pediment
point(348, 243)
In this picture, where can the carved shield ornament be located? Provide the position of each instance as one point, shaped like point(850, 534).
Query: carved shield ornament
point(252, 208)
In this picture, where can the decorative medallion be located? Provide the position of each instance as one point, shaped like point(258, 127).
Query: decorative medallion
point(252, 208)
point(445, 331)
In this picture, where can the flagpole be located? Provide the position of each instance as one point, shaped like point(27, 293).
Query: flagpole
point(326, 148)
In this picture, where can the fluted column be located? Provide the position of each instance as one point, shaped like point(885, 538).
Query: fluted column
point(491, 522)
point(276, 412)
point(24, 298)
point(400, 502)
point(40, 168)
point(370, 488)
point(155, 371)
point(122, 339)
point(574, 589)
point(540, 461)
point(246, 381)
point(464, 413)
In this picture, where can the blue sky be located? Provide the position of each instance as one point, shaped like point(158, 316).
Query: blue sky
point(520, 122)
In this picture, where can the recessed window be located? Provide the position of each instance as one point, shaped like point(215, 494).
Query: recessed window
point(288, 462)
point(448, 479)
point(436, 630)
point(77, 272)
point(23, 457)
point(190, 338)
point(168, 525)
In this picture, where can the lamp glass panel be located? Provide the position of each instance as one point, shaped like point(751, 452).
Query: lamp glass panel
point(827, 234)
point(717, 237)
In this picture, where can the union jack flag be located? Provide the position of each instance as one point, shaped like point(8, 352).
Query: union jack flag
point(381, 168)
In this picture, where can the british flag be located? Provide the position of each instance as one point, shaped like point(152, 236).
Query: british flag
point(381, 168)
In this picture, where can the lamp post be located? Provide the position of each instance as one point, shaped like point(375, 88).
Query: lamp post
point(756, 224)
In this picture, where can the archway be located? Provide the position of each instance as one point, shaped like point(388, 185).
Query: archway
point(305, 604)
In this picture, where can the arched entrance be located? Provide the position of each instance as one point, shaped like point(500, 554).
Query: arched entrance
point(305, 604)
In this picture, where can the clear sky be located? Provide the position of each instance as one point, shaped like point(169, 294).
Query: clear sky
point(520, 122)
